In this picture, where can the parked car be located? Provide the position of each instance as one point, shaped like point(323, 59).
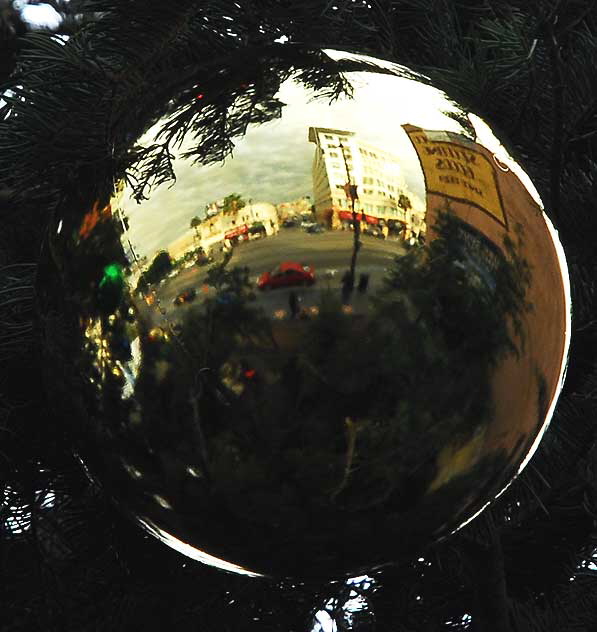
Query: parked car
point(289, 223)
point(187, 296)
point(315, 228)
point(307, 223)
point(373, 231)
point(287, 274)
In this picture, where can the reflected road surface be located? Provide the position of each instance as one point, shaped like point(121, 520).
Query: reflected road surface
point(328, 252)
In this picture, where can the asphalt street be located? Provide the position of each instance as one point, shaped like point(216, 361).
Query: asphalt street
point(329, 253)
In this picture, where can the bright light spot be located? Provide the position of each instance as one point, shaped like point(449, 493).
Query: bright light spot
point(49, 500)
point(20, 519)
point(324, 622)
point(41, 15)
point(466, 619)
point(59, 227)
point(282, 39)
point(133, 471)
point(162, 502)
point(191, 551)
point(421, 559)
point(363, 581)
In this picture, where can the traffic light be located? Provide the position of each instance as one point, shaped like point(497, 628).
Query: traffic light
point(111, 288)
point(113, 274)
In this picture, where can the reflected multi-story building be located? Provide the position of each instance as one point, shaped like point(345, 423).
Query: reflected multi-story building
point(383, 196)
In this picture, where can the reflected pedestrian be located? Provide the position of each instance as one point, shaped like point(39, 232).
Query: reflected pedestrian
point(363, 282)
point(293, 304)
point(347, 285)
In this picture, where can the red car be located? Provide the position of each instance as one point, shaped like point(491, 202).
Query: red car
point(287, 274)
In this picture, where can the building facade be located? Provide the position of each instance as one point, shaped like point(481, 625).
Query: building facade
point(492, 202)
point(296, 208)
point(222, 228)
point(342, 158)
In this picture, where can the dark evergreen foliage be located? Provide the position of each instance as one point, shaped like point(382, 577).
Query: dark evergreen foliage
point(69, 559)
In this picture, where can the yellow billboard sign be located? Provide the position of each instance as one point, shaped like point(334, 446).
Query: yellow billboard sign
point(457, 169)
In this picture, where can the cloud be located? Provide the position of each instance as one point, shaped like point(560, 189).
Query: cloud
point(272, 162)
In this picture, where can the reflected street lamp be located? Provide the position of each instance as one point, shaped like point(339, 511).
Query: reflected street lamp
point(351, 192)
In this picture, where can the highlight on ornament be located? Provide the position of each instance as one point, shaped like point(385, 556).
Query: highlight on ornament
point(328, 351)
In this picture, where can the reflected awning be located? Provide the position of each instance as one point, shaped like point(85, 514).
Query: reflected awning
point(347, 215)
point(235, 232)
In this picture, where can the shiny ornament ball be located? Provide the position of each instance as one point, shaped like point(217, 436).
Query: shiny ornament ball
point(325, 352)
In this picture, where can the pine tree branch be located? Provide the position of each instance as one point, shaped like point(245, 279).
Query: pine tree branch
point(558, 122)
point(485, 564)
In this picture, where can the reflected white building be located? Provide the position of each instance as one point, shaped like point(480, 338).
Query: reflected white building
point(383, 196)
point(222, 228)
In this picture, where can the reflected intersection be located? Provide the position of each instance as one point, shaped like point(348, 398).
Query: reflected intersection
point(325, 253)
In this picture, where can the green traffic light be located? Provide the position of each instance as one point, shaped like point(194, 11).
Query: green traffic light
point(112, 274)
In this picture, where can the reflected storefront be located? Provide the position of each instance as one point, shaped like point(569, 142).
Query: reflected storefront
point(237, 234)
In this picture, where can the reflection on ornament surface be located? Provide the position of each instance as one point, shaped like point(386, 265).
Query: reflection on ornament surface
point(325, 353)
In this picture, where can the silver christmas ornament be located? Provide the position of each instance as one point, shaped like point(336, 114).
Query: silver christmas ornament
point(326, 352)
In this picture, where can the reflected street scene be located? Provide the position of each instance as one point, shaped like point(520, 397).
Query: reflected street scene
point(328, 350)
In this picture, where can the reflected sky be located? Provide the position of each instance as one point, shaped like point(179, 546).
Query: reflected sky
point(272, 162)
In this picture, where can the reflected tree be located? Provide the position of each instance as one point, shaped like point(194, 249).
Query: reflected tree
point(334, 408)
point(233, 202)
